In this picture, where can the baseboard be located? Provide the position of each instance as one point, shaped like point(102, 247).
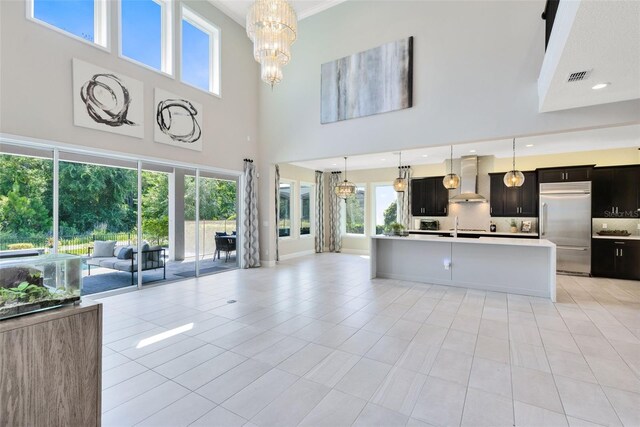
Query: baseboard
point(297, 254)
point(265, 263)
point(355, 251)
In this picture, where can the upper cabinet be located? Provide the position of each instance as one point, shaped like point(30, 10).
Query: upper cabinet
point(565, 174)
point(514, 202)
point(429, 197)
point(616, 192)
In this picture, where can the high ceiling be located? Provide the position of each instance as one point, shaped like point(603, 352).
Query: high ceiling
point(237, 9)
point(595, 139)
point(600, 37)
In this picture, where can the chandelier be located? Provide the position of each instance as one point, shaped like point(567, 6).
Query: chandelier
point(513, 178)
point(400, 184)
point(452, 180)
point(272, 27)
point(345, 189)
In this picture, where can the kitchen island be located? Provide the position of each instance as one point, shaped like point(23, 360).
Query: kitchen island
point(519, 266)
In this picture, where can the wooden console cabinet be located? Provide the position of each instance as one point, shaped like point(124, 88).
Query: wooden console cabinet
point(51, 367)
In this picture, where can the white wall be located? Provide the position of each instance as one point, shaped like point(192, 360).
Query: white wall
point(476, 65)
point(36, 91)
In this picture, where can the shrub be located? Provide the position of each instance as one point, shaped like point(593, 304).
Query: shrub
point(16, 246)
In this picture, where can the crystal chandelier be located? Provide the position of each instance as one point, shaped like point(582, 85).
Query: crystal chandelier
point(272, 27)
point(513, 178)
point(451, 181)
point(400, 184)
point(345, 189)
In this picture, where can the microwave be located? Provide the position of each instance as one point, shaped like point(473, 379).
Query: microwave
point(429, 224)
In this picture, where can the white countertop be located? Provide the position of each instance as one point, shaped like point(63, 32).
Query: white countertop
point(632, 237)
point(488, 233)
point(477, 241)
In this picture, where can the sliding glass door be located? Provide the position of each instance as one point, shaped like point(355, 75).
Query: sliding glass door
point(133, 222)
point(26, 200)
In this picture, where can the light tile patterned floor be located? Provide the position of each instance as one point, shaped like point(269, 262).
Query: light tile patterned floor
point(313, 341)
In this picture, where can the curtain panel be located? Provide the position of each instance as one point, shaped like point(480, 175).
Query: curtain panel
point(250, 237)
point(404, 199)
point(319, 213)
point(277, 212)
point(335, 236)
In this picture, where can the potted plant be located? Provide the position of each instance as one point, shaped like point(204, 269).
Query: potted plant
point(397, 229)
point(514, 226)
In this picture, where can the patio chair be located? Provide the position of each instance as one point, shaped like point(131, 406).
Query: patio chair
point(225, 244)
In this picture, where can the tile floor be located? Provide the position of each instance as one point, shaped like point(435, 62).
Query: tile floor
point(313, 341)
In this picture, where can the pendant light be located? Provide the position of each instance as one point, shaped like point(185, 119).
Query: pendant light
point(513, 178)
point(400, 184)
point(345, 189)
point(452, 180)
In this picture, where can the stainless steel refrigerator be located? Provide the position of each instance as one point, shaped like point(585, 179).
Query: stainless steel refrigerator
point(565, 219)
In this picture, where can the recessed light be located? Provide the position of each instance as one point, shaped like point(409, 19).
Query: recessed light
point(529, 145)
point(600, 86)
point(472, 151)
point(425, 155)
point(382, 160)
point(334, 164)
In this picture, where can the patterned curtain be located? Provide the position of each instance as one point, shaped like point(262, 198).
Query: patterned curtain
point(319, 212)
point(335, 237)
point(277, 211)
point(404, 199)
point(250, 238)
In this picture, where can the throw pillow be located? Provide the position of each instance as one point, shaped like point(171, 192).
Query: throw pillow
point(145, 254)
point(103, 249)
point(125, 253)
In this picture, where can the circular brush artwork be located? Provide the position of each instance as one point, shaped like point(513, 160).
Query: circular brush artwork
point(107, 100)
point(177, 119)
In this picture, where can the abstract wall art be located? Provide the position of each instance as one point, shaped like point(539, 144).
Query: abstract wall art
point(107, 101)
point(375, 81)
point(178, 121)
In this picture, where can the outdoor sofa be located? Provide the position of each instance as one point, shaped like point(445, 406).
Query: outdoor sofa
point(101, 255)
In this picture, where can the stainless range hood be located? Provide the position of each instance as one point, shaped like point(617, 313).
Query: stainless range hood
point(469, 181)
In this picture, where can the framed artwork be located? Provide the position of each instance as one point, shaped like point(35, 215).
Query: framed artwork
point(178, 121)
point(107, 101)
point(375, 81)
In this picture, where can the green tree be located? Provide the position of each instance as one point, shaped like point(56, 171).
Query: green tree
point(93, 197)
point(355, 213)
point(390, 214)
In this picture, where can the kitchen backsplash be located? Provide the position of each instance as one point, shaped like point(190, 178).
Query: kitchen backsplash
point(631, 225)
point(476, 216)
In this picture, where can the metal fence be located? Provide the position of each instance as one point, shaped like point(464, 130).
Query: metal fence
point(72, 244)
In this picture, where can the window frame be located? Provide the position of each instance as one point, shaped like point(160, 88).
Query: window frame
point(215, 44)
point(312, 213)
point(292, 198)
point(343, 216)
point(167, 39)
point(101, 24)
point(373, 213)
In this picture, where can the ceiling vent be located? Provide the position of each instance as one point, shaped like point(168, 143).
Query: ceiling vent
point(580, 75)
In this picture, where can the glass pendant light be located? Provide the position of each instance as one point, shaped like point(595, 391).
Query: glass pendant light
point(451, 181)
point(400, 184)
point(345, 189)
point(514, 178)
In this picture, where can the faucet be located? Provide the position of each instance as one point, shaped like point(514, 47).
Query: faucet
point(455, 226)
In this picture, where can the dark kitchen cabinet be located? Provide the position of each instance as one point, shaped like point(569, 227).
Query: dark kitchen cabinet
point(615, 258)
point(429, 197)
point(616, 192)
point(565, 174)
point(514, 202)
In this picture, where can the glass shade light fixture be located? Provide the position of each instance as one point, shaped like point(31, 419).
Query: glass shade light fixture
point(272, 26)
point(513, 178)
point(451, 181)
point(400, 183)
point(345, 189)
